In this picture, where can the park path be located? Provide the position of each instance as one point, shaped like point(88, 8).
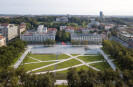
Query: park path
point(75, 57)
point(49, 65)
point(113, 66)
point(60, 69)
point(16, 65)
point(45, 61)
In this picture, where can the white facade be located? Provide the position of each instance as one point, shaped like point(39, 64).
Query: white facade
point(94, 38)
point(10, 31)
point(36, 37)
point(69, 30)
point(62, 27)
point(40, 35)
point(62, 19)
point(41, 28)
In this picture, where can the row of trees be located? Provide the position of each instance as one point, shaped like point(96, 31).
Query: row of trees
point(19, 78)
point(63, 36)
point(92, 78)
point(49, 42)
point(48, 21)
point(123, 57)
point(10, 52)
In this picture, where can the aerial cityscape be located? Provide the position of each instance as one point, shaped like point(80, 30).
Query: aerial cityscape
point(66, 48)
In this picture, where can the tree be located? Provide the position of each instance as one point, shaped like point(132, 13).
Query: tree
point(86, 43)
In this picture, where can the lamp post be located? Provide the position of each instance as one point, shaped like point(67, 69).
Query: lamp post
point(57, 54)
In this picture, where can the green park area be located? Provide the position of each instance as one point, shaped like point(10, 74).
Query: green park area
point(101, 65)
point(49, 57)
point(65, 64)
point(91, 58)
point(64, 61)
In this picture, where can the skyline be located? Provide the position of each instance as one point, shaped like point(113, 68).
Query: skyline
point(75, 7)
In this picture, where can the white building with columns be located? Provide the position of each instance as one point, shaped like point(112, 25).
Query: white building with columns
point(39, 36)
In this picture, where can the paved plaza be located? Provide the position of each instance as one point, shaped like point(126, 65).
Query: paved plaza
point(93, 49)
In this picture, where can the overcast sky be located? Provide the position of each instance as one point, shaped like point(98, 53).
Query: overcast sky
point(78, 7)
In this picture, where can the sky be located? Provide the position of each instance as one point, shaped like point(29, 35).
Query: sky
point(72, 7)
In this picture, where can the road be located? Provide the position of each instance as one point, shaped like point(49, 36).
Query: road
point(16, 65)
point(120, 41)
point(113, 66)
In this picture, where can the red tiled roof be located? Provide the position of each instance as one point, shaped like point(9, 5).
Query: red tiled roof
point(80, 28)
point(69, 27)
point(4, 24)
point(1, 37)
point(52, 29)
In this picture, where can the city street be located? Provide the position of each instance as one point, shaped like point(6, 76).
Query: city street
point(120, 41)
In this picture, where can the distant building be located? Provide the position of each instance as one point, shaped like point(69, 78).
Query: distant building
point(122, 27)
point(101, 15)
point(90, 38)
point(2, 40)
point(62, 27)
point(93, 22)
point(62, 19)
point(52, 30)
point(10, 31)
point(41, 28)
point(87, 30)
point(67, 29)
point(22, 28)
point(110, 26)
point(125, 36)
point(131, 43)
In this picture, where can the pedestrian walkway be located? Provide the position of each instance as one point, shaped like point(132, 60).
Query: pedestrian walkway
point(16, 65)
point(108, 59)
point(64, 60)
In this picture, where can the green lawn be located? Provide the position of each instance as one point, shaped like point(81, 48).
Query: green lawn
point(74, 54)
point(65, 64)
point(36, 65)
point(90, 58)
point(49, 57)
point(101, 66)
point(30, 60)
point(61, 86)
point(84, 67)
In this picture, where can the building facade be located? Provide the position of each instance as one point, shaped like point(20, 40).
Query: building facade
point(125, 36)
point(90, 38)
point(22, 28)
point(36, 36)
point(40, 35)
point(62, 19)
point(2, 40)
point(10, 31)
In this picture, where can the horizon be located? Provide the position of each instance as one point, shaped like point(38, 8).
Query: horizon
point(75, 7)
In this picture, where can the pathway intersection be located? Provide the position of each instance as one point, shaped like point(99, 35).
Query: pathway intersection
point(61, 61)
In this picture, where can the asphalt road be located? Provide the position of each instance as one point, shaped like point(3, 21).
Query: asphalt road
point(120, 41)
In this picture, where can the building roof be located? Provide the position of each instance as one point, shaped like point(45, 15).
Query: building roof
point(52, 29)
point(1, 37)
point(4, 24)
point(69, 27)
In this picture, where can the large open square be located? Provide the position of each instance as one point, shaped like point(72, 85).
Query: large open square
point(62, 57)
point(40, 49)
